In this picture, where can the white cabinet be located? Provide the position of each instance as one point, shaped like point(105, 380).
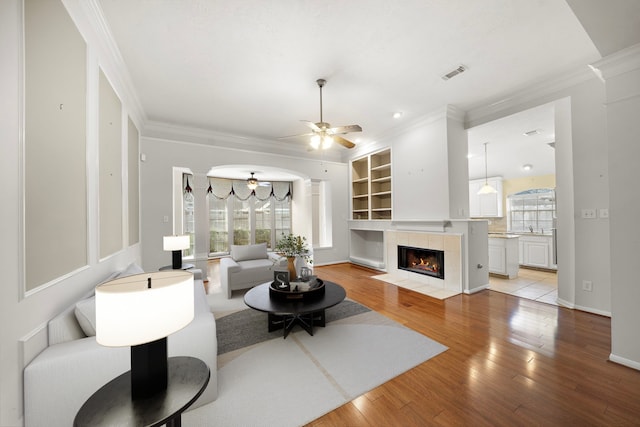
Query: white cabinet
point(536, 251)
point(503, 256)
point(485, 205)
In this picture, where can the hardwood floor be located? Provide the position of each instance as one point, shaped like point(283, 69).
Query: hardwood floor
point(510, 362)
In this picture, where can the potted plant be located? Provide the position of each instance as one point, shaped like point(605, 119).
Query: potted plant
point(291, 247)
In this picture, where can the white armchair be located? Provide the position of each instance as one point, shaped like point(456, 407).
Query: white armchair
point(249, 265)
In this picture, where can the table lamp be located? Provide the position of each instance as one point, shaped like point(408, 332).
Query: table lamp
point(141, 311)
point(176, 244)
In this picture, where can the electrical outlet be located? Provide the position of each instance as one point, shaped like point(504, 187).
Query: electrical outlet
point(587, 285)
point(588, 213)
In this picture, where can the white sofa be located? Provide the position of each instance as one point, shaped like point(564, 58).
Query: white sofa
point(62, 377)
point(247, 266)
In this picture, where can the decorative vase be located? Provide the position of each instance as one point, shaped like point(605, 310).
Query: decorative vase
point(291, 266)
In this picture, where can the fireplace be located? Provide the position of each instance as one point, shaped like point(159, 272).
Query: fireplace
point(421, 261)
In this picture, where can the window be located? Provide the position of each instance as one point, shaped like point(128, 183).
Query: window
point(188, 214)
point(282, 218)
point(531, 211)
point(241, 216)
point(263, 217)
point(218, 225)
point(321, 214)
point(241, 222)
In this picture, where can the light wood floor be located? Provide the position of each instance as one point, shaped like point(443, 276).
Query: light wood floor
point(511, 362)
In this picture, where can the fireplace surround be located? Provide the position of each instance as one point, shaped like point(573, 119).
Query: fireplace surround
point(425, 261)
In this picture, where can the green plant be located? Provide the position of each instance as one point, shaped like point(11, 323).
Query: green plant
point(292, 245)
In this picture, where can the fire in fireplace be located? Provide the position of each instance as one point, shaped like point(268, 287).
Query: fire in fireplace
point(421, 261)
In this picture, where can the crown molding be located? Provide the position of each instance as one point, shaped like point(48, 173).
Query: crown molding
point(89, 19)
point(481, 113)
point(192, 135)
point(618, 63)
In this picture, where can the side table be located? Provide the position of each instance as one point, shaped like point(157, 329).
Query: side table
point(112, 405)
point(183, 267)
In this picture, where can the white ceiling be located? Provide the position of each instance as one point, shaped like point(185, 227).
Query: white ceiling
point(249, 67)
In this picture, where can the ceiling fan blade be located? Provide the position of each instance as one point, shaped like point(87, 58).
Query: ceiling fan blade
point(345, 129)
point(312, 125)
point(344, 142)
point(296, 136)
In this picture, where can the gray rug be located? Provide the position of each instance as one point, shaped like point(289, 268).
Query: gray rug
point(249, 327)
point(290, 382)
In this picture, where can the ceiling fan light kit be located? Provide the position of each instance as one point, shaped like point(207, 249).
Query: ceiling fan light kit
point(252, 182)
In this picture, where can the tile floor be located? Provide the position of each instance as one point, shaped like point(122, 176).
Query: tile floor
point(416, 286)
point(531, 284)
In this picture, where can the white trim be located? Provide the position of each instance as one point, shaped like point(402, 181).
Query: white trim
point(55, 281)
point(484, 111)
point(22, 250)
point(621, 62)
point(624, 361)
point(593, 310)
point(476, 290)
point(124, 166)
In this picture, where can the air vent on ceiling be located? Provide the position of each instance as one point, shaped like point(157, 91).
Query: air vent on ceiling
point(532, 132)
point(451, 74)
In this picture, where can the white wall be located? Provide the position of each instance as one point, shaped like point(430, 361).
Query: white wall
point(156, 191)
point(582, 182)
point(23, 332)
point(420, 174)
point(622, 74)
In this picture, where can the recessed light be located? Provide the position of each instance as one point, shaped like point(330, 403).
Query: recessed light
point(469, 155)
point(397, 114)
point(527, 167)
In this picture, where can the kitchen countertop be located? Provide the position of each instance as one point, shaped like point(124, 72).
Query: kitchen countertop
point(503, 236)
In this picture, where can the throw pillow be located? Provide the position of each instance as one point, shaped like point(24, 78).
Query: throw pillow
point(85, 312)
point(245, 252)
point(131, 269)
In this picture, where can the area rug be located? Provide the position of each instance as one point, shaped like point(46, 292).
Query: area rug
point(265, 380)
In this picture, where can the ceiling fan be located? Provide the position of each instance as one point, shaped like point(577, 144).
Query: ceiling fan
point(323, 135)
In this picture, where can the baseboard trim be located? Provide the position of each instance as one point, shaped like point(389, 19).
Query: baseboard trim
point(624, 361)
point(475, 290)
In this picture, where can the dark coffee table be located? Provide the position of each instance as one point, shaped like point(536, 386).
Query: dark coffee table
point(285, 314)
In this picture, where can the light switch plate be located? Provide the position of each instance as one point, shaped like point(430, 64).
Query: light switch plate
point(604, 213)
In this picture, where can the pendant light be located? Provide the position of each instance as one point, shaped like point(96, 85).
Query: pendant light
point(252, 182)
point(486, 188)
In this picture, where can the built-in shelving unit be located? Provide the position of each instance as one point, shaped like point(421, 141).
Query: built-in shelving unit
point(360, 188)
point(371, 186)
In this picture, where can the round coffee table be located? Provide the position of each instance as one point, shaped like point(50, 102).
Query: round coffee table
point(285, 314)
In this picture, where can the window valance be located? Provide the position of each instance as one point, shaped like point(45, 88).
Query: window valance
point(222, 188)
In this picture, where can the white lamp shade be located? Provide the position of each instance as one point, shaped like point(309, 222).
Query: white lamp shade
point(128, 312)
point(175, 243)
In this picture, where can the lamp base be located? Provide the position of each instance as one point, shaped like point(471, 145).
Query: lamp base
point(176, 260)
point(148, 369)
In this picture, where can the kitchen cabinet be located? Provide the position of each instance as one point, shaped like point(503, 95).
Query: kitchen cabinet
point(485, 205)
point(536, 251)
point(504, 255)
